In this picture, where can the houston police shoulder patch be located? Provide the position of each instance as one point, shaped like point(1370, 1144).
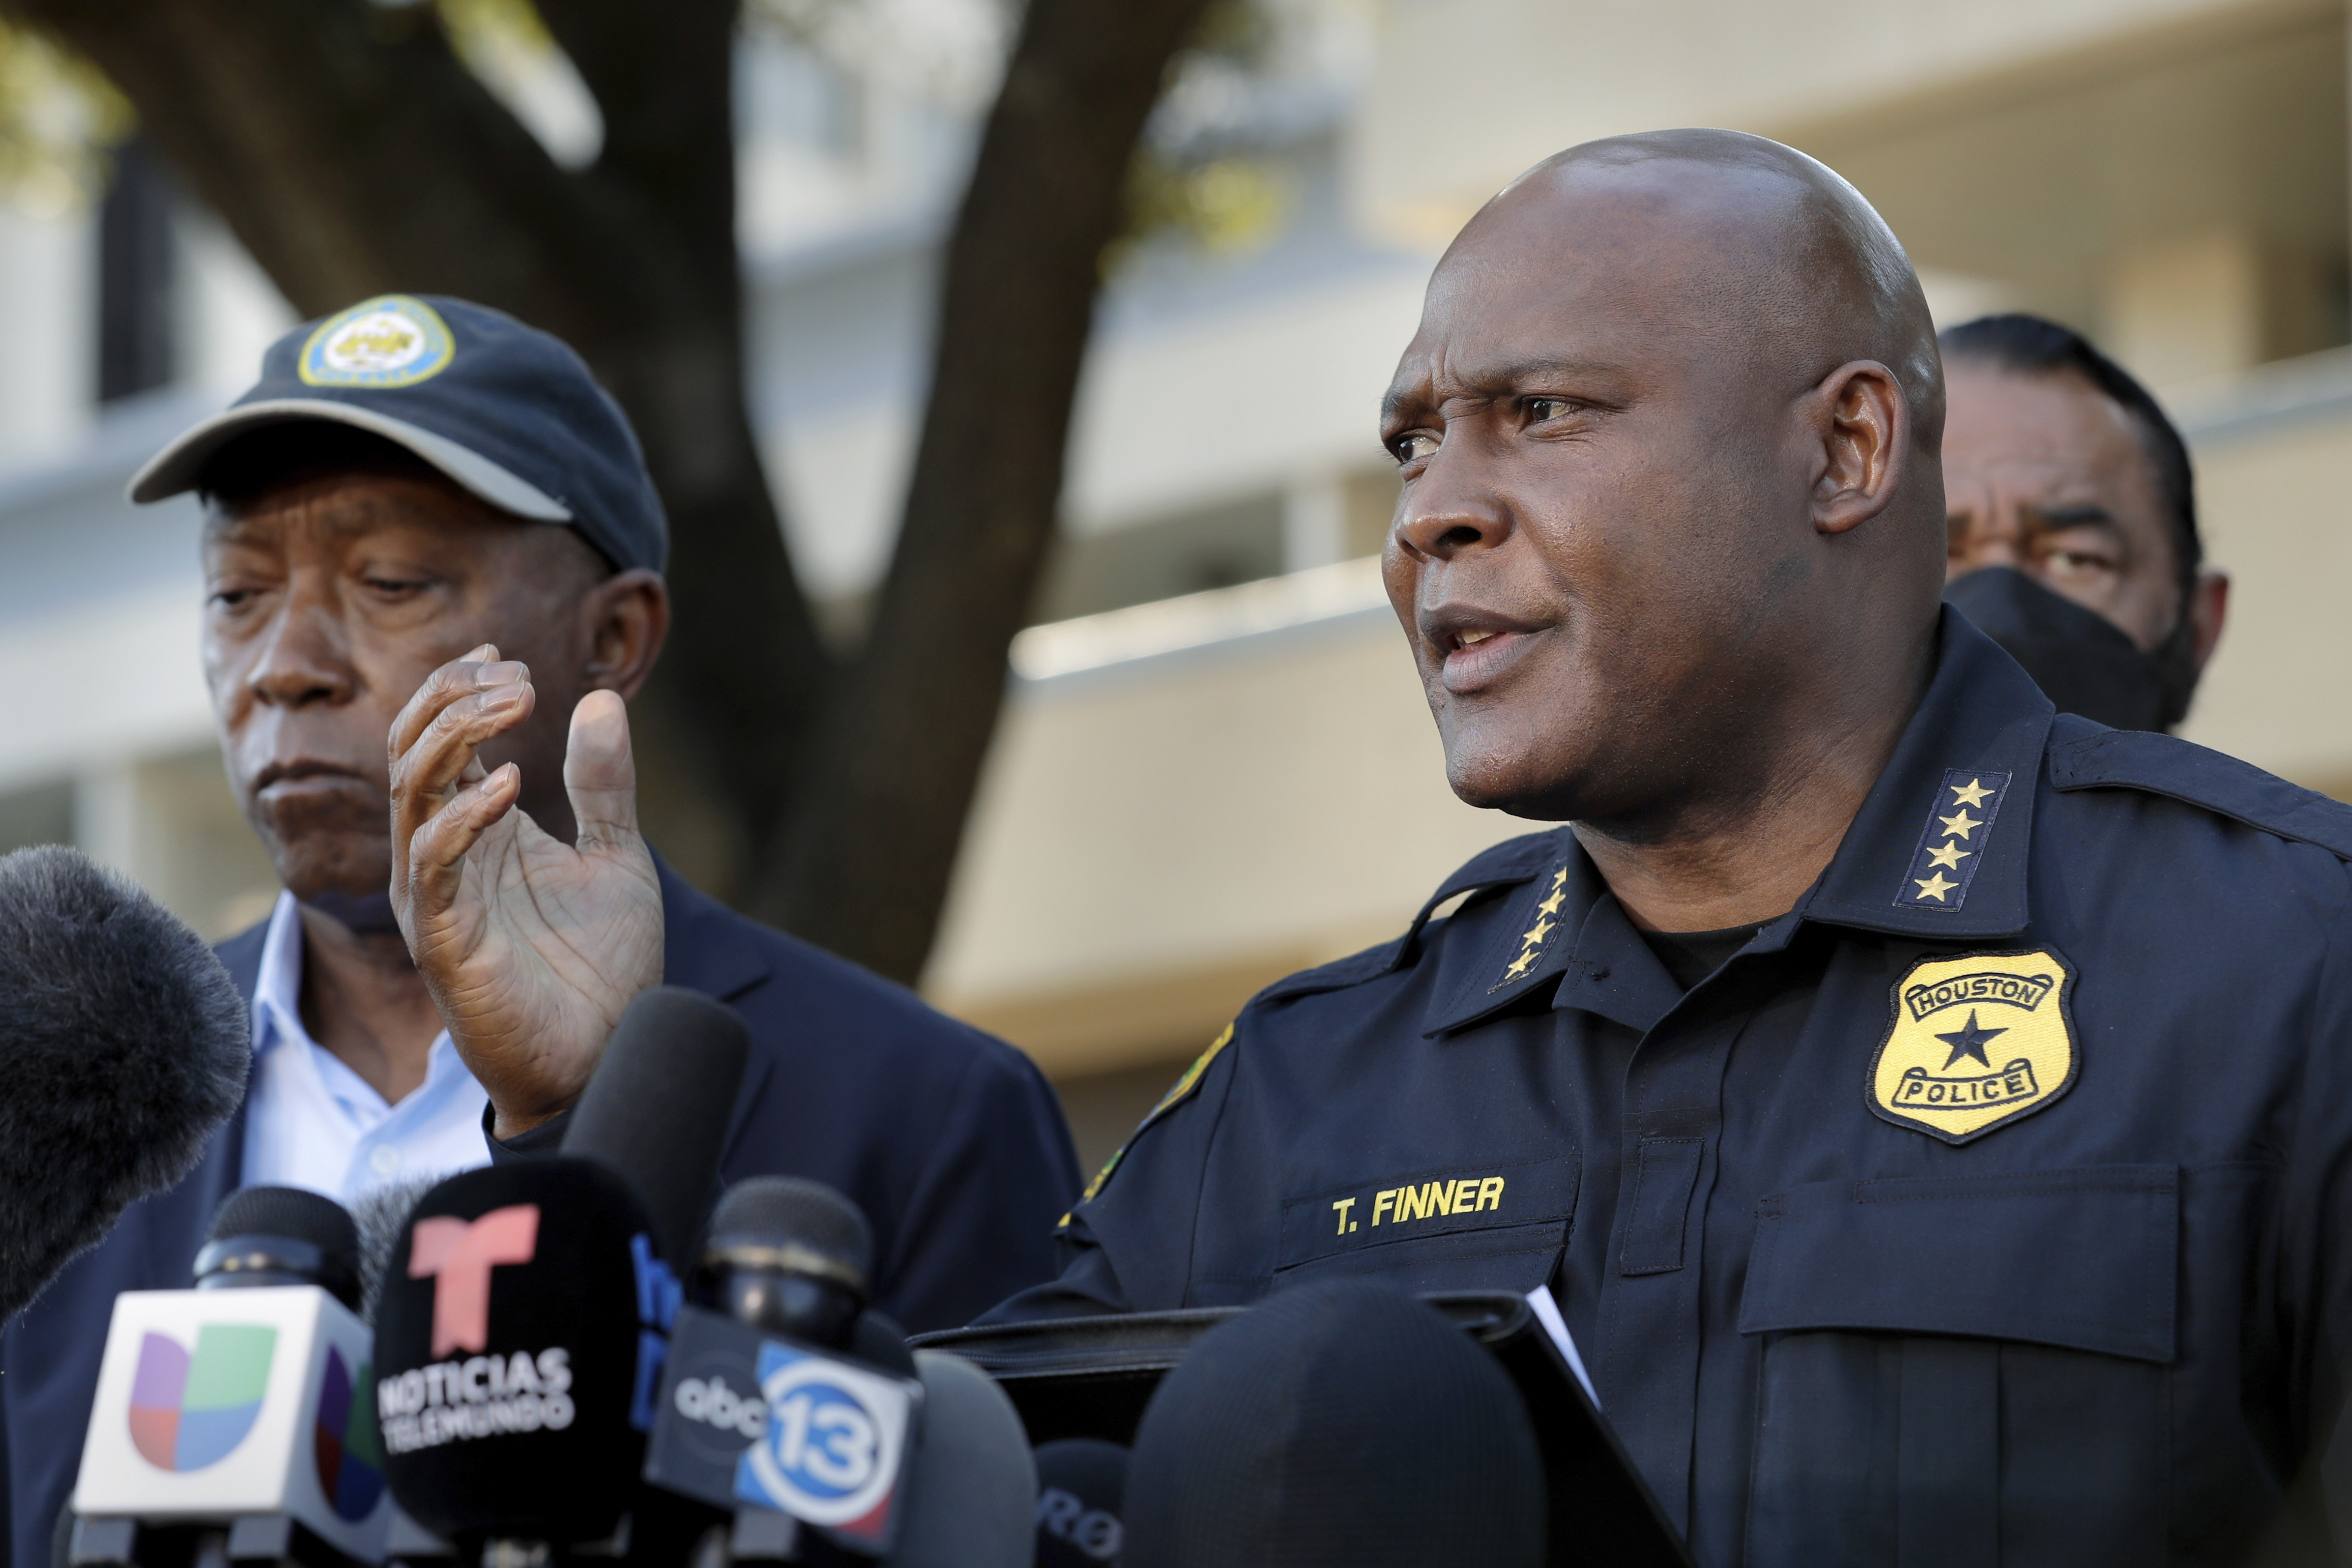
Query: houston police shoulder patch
point(1976, 1042)
point(1177, 1092)
point(393, 340)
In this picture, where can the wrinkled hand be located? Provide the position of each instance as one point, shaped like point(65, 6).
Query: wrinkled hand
point(532, 947)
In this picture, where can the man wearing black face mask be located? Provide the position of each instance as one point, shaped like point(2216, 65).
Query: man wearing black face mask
point(2072, 522)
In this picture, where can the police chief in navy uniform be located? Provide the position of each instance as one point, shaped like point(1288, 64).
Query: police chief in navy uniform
point(1934, 1115)
point(413, 479)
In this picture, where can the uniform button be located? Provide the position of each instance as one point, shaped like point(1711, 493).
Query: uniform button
point(384, 1160)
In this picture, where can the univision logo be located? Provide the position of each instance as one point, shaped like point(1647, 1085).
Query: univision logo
point(350, 1454)
point(188, 1411)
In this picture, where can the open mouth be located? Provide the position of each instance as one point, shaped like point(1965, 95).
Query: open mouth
point(1476, 656)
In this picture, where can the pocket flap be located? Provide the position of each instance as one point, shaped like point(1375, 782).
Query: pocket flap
point(2084, 1259)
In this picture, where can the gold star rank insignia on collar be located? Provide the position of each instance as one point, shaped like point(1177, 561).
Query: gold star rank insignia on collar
point(1951, 847)
point(1976, 1042)
point(1538, 937)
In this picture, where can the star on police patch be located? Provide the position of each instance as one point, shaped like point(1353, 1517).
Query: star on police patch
point(393, 340)
point(1976, 1042)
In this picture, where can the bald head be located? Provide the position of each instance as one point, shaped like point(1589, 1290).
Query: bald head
point(1668, 435)
point(1774, 255)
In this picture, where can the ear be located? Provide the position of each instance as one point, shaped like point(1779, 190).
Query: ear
point(2208, 606)
point(1863, 422)
point(627, 620)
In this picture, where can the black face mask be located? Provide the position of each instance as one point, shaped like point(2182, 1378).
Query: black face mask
point(2084, 662)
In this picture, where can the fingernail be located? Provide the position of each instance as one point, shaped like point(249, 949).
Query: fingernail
point(502, 699)
point(488, 650)
point(501, 672)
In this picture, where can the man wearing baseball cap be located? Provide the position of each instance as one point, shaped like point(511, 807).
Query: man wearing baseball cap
point(418, 480)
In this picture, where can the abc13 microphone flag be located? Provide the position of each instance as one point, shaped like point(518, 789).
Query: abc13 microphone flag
point(747, 1418)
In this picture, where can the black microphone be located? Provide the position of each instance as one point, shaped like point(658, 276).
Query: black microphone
point(783, 1280)
point(789, 1257)
point(1081, 1503)
point(282, 1235)
point(809, 1418)
point(523, 1319)
point(658, 1108)
point(124, 1046)
point(235, 1418)
point(516, 1336)
point(1336, 1425)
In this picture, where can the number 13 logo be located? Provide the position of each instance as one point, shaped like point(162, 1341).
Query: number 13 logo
point(831, 1451)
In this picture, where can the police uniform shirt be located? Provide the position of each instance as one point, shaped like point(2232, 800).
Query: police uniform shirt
point(1989, 1207)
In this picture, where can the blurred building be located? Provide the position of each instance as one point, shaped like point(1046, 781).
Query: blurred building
point(1217, 767)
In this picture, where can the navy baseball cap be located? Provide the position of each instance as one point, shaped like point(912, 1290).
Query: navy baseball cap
point(506, 410)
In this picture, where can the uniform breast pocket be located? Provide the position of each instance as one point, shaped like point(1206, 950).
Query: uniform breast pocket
point(1965, 1370)
point(1493, 1227)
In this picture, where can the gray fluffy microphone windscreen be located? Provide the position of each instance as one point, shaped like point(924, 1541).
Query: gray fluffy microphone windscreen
point(1337, 1425)
point(381, 1217)
point(123, 1045)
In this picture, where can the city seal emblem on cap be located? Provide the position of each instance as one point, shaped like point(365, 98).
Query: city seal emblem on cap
point(393, 340)
point(1976, 1042)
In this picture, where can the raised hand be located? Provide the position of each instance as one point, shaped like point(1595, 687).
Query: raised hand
point(532, 947)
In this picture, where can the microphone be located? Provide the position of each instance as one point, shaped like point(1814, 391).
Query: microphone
point(1081, 1492)
point(523, 1319)
point(520, 1321)
point(238, 1417)
point(968, 1495)
point(1336, 1425)
point(783, 1282)
point(972, 1491)
point(124, 1046)
point(282, 1235)
point(381, 1217)
point(658, 1107)
point(798, 1408)
point(790, 1257)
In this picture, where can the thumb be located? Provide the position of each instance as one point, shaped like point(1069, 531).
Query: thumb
point(600, 772)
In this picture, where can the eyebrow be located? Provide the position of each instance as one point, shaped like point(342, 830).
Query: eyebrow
point(1518, 372)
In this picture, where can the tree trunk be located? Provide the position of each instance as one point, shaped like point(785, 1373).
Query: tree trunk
point(868, 858)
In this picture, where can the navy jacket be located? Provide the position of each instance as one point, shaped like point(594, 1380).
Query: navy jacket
point(950, 1141)
point(1991, 1207)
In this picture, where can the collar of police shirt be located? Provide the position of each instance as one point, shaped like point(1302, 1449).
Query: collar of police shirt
point(312, 1122)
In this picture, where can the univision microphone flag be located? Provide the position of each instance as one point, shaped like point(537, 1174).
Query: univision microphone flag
point(216, 1404)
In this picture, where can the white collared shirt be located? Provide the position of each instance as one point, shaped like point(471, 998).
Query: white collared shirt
point(312, 1122)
